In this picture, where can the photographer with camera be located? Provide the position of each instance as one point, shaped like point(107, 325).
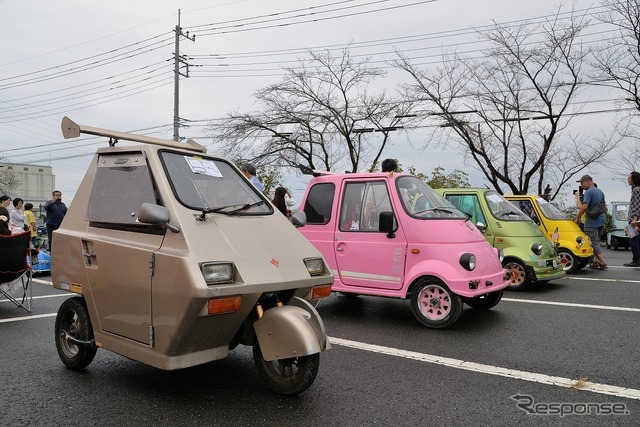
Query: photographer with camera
point(593, 204)
point(56, 210)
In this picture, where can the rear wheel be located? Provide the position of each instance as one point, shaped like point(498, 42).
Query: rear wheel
point(72, 322)
point(569, 260)
point(287, 376)
point(486, 301)
point(615, 243)
point(434, 305)
point(517, 275)
point(583, 262)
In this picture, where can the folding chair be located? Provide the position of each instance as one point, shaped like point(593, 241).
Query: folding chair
point(15, 272)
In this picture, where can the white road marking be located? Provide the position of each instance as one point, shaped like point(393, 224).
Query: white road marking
point(34, 316)
point(570, 304)
point(629, 393)
point(593, 279)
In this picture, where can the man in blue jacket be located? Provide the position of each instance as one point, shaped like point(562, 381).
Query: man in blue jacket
point(56, 210)
point(593, 227)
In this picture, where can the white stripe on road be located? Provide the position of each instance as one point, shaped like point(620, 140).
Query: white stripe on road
point(570, 304)
point(35, 316)
point(629, 393)
point(593, 279)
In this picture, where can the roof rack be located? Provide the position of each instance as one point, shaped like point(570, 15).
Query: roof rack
point(71, 129)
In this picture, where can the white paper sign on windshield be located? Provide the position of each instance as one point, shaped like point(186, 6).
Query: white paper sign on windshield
point(203, 166)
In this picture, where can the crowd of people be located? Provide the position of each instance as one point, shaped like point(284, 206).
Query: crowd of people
point(22, 219)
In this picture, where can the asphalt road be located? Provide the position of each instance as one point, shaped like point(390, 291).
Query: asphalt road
point(384, 368)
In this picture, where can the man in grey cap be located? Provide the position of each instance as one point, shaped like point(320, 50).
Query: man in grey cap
point(250, 172)
point(592, 226)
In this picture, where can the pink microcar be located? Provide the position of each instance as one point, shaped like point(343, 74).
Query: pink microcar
point(391, 235)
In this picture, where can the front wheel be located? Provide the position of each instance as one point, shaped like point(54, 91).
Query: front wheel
point(569, 260)
point(434, 305)
point(486, 301)
point(287, 376)
point(72, 322)
point(517, 275)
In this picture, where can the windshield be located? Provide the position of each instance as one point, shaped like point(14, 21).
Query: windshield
point(622, 211)
point(502, 209)
point(212, 185)
point(550, 211)
point(420, 201)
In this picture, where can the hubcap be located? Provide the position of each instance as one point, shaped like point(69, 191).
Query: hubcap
point(516, 272)
point(435, 302)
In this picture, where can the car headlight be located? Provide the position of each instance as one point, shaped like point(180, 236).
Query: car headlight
point(579, 241)
point(217, 272)
point(315, 266)
point(500, 255)
point(468, 261)
point(536, 248)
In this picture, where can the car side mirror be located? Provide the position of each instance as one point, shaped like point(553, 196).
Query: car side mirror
point(386, 224)
point(299, 219)
point(481, 226)
point(156, 215)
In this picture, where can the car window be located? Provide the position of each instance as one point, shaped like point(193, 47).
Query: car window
point(361, 205)
point(351, 212)
point(122, 184)
point(376, 200)
point(550, 211)
point(621, 213)
point(470, 204)
point(206, 184)
point(318, 203)
point(421, 201)
point(502, 209)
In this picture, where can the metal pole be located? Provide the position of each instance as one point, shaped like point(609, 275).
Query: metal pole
point(176, 84)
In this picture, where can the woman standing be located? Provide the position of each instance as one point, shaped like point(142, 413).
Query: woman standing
point(634, 215)
point(17, 216)
point(278, 200)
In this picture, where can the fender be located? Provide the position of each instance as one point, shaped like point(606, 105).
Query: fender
point(290, 331)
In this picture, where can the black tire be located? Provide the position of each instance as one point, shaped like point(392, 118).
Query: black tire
point(287, 376)
point(615, 243)
point(485, 302)
point(569, 261)
point(73, 320)
point(349, 295)
point(434, 305)
point(517, 275)
point(583, 262)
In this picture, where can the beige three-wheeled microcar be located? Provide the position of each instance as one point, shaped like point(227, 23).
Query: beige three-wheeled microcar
point(176, 259)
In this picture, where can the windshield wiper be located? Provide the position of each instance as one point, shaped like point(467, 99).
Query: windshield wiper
point(238, 208)
point(434, 210)
point(508, 213)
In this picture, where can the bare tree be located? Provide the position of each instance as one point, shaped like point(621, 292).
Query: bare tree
point(617, 65)
point(9, 180)
point(507, 111)
point(320, 114)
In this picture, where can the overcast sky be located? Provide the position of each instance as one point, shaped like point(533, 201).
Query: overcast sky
point(110, 65)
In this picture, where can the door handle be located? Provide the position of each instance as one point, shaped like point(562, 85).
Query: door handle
point(340, 249)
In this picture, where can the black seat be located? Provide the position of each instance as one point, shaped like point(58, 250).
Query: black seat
point(15, 272)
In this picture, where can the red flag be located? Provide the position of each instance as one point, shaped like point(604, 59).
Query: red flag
point(555, 235)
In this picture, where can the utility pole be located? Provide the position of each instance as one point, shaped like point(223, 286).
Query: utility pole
point(178, 59)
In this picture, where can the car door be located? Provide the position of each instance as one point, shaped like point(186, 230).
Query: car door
point(366, 257)
point(118, 251)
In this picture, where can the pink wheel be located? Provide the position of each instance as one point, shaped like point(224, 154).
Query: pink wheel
point(434, 304)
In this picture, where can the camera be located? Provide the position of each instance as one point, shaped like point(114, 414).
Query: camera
point(580, 190)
